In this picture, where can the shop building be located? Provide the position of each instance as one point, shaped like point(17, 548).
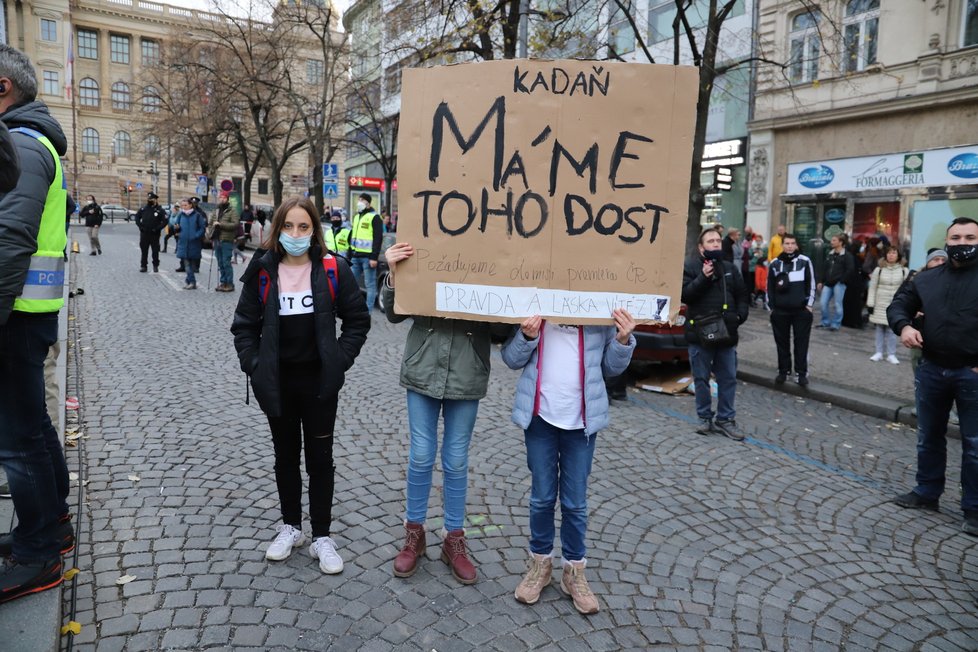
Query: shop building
point(870, 128)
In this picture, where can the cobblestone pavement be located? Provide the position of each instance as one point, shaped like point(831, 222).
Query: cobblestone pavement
point(840, 357)
point(784, 542)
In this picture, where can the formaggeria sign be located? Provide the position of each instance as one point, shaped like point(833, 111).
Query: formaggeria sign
point(951, 166)
point(557, 188)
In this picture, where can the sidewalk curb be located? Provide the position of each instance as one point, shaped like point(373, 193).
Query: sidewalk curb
point(850, 398)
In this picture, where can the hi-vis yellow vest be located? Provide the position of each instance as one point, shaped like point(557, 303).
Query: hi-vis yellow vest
point(337, 243)
point(363, 233)
point(44, 286)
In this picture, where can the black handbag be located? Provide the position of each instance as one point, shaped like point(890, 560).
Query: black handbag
point(711, 330)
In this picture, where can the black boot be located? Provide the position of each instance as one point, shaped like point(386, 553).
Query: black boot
point(20, 579)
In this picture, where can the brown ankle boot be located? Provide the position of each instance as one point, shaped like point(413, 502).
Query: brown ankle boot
point(454, 554)
point(406, 561)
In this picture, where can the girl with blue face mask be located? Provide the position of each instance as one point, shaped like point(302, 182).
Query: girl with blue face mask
point(285, 332)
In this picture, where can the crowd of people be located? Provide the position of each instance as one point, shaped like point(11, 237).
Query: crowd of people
point(302, 319)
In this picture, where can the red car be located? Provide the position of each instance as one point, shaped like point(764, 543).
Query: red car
point(662, 342)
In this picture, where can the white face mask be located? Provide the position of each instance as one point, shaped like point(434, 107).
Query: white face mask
point(361, 205)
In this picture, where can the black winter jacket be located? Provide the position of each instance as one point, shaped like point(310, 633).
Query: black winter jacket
point(839, 268)
point(705, 296)
point(92, 213)
point(9, 162)
point(256, 327)
point(800, 290)
point(21, 208)
point(948, 298)
point(151, 219)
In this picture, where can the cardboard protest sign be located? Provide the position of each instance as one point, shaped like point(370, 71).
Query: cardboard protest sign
point(557, 188)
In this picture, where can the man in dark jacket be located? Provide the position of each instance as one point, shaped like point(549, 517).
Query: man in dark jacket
point(839, 266)
point(713, 287)
point(32, 239)
point(947, 297)
point(791, 295)
point(9, 163)
point(150, 219)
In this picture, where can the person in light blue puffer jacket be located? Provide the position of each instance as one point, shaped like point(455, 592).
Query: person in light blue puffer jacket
point(561, 403)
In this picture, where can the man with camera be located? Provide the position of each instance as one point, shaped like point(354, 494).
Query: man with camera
point(716, 301)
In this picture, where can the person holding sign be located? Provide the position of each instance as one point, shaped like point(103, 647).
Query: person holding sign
point(285, 335)
point(445, 371)
point(716, 304)
point(561, 403)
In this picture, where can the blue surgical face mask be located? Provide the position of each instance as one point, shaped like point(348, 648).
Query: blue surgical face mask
point(295, 246)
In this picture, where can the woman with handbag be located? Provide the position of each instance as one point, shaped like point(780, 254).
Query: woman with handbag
point(285, 335)
point(716, 304)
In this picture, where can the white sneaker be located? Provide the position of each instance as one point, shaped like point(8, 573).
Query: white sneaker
point(324, 549)
point(892, 359)
point(876, 357)
point(288, 537)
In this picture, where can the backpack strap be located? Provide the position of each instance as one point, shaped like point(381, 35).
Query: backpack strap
point(329, 266)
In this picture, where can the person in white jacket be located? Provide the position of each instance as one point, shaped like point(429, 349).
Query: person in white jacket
point(883, 284)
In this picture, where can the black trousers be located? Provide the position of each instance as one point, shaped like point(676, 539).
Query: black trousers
point(306, 422)
point(782, 323)
point(149, 240)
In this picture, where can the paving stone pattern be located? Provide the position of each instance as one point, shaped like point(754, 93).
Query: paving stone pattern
point(784, 542)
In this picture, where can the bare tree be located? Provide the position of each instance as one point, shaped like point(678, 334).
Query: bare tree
point(317, 89)
point(372, 133)
point(184, 101)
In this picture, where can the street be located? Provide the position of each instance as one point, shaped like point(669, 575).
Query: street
point(786, 541)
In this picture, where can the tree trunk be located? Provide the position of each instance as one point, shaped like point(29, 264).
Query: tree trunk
point(316, 187)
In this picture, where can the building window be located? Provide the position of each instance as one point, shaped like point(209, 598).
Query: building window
point(52, 85)
point(49, 30)
point(970, 23)
point(151, 52)
point(805, 47)
point(122, 144)
point(90, 141)
point(87, 44)
point(183, 176)
point(662, 15)
point(860, 29)
point(621, 36)
point(152, 145)
point(119, 48)
point(121, 97)
point(263, 186)
point(88, 92)
point(151, 100)
point(314, 71)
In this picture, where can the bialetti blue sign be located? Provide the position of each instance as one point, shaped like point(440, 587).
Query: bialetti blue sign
point(817, 177)
point(964, 165)
point(951, 166)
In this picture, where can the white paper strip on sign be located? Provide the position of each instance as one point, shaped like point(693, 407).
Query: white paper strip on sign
point(495, 300)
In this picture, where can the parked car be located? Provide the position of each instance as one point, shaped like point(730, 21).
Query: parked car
point(112, 212)
point(662, 342)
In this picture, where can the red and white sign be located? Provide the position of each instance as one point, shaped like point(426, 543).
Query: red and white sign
point(367, 182)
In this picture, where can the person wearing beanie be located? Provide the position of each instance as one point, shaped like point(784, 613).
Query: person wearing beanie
point(224, 226)
point(790, 296)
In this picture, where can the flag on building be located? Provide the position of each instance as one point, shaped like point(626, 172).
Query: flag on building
point(70, 67)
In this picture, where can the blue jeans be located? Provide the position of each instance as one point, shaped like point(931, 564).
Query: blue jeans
point(189, 264)
point(223, 253)
point(423, 414)
point(367, 277)
point(559, 461)
point(722, 362)
point(30, 451)
point(936, 389)
point(835, 294)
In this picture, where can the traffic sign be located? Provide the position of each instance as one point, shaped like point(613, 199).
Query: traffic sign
point(331, 190)
point(139, 186)
point(226, 185)
point(331, 171)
